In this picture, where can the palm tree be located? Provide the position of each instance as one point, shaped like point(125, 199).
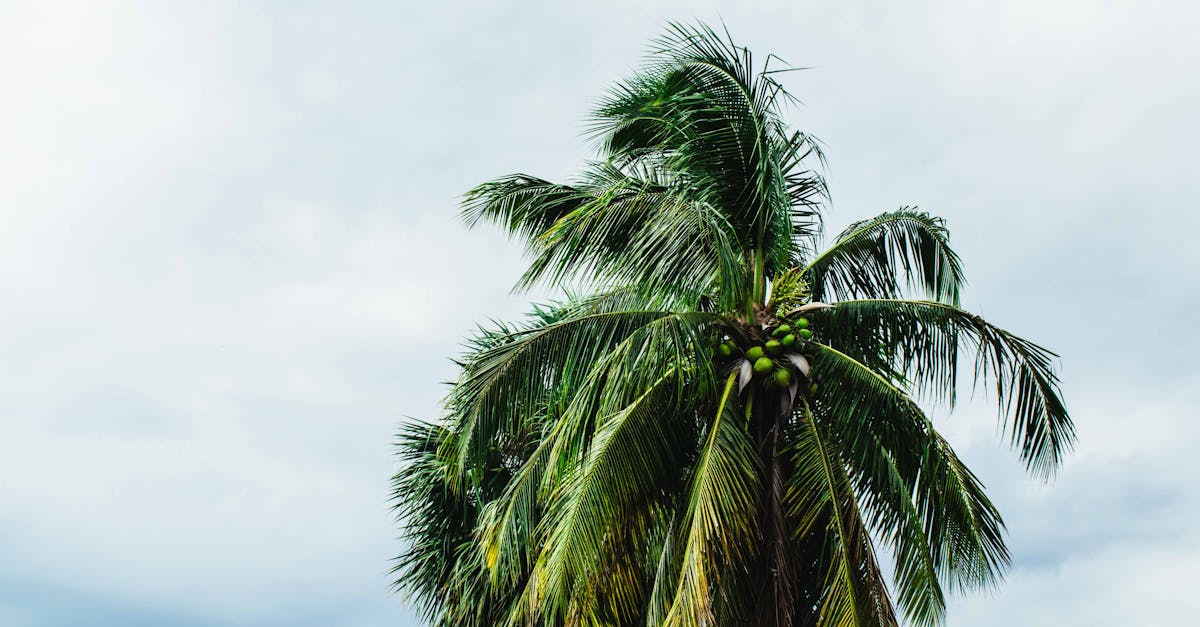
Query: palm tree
point(718, 425)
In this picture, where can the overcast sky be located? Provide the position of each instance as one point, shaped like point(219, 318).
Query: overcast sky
point(230, 266)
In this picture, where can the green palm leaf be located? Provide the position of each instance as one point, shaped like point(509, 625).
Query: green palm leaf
point(719, 519)
point(822, 502)
point(924, 338)
point(702, 114)
point(631, 453)
point(512, 378)
point(876, 258)
point(921, 499)
point(439, 571)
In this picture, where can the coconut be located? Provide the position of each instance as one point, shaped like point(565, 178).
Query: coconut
point(781, 330)
point(788, 339)
point(724, 349)
point(783, 377)
point(755, 353)
point(806, 334)
point(763, 365)
point(802, 323)
point(773, 347)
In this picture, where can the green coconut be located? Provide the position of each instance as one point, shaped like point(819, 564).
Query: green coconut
point(781, 330)
point(763, 365)
point(773, 347)
point(788, 339)
point(802, 323)
point(755, 353)
point(724, 349)
point(783, 377)
point(806, 334)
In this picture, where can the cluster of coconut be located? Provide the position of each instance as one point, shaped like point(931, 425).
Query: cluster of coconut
point(777, 357)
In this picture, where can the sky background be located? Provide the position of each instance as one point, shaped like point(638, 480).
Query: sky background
point(231, 265)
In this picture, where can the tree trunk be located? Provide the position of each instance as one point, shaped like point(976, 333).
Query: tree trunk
point(775, 579)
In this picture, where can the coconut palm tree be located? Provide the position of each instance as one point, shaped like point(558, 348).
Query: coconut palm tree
point(719, 424)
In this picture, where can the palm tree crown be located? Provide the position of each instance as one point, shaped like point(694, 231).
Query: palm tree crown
point(721, 428)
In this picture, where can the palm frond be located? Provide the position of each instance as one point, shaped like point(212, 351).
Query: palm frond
point(903, 467)
point(677, 342)
point(439, 570)
point(632, 454)
point(702, 112)
point(525, 206)
point(821, 500)
point(647, 229)
point(720, 514)
point(894, 515)
point(508, 525)
point(665, 575)
point(644, 383)
point(877, 258)
point(921, 340)
point(513, 377)
point(618, 226)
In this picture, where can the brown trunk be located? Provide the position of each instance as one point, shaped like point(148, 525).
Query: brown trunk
point(775, 596)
